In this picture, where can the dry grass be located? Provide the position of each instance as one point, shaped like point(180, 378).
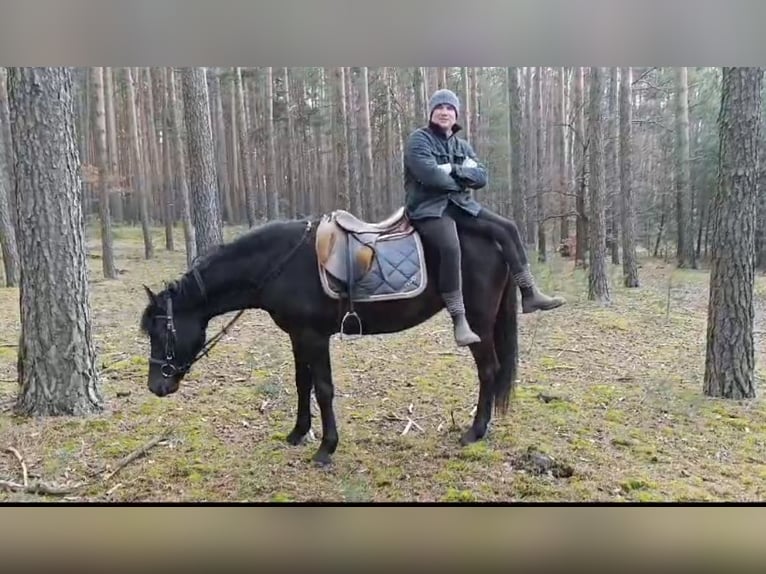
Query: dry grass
point(614, 392)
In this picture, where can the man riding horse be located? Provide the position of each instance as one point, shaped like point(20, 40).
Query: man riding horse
point(440, 169)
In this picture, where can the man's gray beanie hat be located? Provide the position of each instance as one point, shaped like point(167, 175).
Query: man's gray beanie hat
point(443, 96)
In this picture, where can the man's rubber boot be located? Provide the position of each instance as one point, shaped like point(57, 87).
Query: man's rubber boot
point(463, 333)
point(532, 299)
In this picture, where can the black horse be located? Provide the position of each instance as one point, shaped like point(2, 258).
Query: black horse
point(274, 267)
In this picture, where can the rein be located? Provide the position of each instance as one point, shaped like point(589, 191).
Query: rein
point(167, 366)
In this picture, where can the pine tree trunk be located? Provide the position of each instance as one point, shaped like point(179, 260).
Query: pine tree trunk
point(57, 358)
point(244, 145)
point(537, 103)
point(514, 129)
point(684, 216)
point(612, 176)
point(7, 201)
point(154, 167)
point(138, 167)
point(102, 163)
point(580, 163)
point(370, 193)
point(116, 209)
point(598, 285)
point(179, 166)
point(355, 199)
point(206, 213)
point(560, 131)
point(730, 356)
point(292, 180)
point(389, 154)
point(465, 113)
point(272, 196)
point(627, 215)
point(5, 128)
point(216, 115)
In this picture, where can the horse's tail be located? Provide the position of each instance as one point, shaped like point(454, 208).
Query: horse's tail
point(506, 347)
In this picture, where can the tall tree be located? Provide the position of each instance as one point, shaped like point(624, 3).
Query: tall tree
point(514, 133)
point(580, 161)
point(243, 145)
point(272, 196)
point(102, 163)
point(627, 215)
point(7, 203)
point(138, 163)
point(598, 284)
point(730, 357)
point(364, 134)
point(684, 215)
point(179, 164)
point(612, 177)
point(206, 213)
point(57, 359)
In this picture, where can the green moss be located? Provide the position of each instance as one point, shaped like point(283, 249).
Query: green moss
point(635, 484)
point(282, 497)
point(479, 451)
point(457, 495)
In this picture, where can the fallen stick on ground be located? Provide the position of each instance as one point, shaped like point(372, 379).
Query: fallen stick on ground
point(38, 488)
point(138, 453)
point(20, 458)
point(52, 490)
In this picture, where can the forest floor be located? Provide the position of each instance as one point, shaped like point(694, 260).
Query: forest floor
point(612, 394)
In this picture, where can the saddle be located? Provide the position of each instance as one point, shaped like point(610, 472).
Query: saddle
point(361, 261)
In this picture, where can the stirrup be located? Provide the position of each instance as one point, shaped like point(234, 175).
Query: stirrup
point(344, 337)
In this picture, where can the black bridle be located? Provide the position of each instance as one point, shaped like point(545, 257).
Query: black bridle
point(168, 367)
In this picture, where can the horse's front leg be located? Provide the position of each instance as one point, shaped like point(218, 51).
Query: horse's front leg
point(303, 382)
point(316, 349)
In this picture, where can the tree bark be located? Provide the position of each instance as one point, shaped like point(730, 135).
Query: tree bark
point(612, 179)
point(57, 359)
point(598, 284)
point(7, 201)
point(206, 213)
point(179, 166)
point(369, 193)
point(684, 215)
point(102, 163)
point(730, 357)
point(514, 129)
point(138, 167)
point(627, 215)
point(272, 195)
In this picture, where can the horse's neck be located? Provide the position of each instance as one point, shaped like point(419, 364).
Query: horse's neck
point(229, 287)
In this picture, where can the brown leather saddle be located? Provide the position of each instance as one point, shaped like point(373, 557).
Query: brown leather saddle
point(361, 261)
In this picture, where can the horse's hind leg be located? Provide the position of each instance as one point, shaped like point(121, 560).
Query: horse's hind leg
point(303, 383)
point(487, 367)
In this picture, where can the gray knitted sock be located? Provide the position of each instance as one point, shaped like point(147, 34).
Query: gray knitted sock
point(454, 302)
point(524, 279)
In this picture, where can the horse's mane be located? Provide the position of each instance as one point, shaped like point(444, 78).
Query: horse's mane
point(253, 240)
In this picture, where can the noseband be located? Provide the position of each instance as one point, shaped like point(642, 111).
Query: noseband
point(167, 365)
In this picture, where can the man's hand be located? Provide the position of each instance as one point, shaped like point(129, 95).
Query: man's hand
point(468, 162)
point(445, 167)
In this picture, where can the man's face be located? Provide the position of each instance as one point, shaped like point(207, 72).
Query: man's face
point(444, 116)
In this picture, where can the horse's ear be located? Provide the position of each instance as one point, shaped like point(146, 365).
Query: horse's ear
point(152, 296)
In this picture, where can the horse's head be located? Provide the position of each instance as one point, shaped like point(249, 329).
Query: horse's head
point(175, 335)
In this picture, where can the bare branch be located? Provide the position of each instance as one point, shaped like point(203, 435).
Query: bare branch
point(139, 452)
point(642, 76)
point(18, 456)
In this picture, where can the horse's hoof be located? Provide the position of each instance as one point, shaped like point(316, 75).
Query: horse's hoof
point(295, 437)
point(470, 436)
point(322, 459)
